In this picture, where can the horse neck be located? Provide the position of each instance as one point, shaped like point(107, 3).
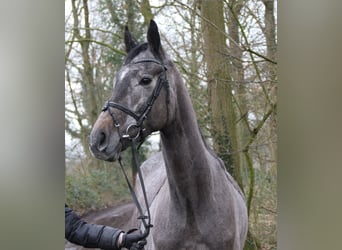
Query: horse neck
point(186, 156)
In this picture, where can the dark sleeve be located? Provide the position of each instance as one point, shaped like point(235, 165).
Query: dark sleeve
point(79, 232)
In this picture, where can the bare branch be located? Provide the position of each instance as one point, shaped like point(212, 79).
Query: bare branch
point(120, 52)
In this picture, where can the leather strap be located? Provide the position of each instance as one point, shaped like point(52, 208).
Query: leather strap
point(147, 224)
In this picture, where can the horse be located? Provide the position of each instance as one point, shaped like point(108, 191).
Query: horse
point(193, 201)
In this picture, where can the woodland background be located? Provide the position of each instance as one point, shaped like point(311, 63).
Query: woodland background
point(227, 53)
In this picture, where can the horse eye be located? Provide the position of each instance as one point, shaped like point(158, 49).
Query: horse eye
point(145, 81)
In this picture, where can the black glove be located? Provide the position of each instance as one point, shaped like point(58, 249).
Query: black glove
point(138, 245)
point(133, 241)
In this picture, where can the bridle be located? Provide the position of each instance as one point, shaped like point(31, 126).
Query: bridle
point(140, 115)
point(133, 131)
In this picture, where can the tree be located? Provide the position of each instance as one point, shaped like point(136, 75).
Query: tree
point(223, 128)
point(232, 128)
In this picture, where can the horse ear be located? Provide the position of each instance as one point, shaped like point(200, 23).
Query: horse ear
point(153, 37)
point(130, 41)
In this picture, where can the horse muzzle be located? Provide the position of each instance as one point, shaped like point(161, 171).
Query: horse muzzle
point(104, 143)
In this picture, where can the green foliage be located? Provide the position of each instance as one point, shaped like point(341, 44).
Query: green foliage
point(97, 188)
point(98, 184)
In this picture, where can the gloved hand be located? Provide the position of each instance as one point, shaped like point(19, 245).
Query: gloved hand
point(138, 245)
point(133, 241)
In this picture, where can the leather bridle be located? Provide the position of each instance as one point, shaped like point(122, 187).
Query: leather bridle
point(135, 130)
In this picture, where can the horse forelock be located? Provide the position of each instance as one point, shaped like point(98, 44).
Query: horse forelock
point(135, 51)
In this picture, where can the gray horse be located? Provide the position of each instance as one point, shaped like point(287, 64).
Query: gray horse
point(194, 202)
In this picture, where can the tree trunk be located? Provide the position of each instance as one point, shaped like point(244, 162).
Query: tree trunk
point(223, 128)
point(271, 42)
point(220, 78)
point(269, 31)
point(89, 86)
point(237, 72)
point(197, 93)
point(145, 9)
point(131, 16)
point(87, 82)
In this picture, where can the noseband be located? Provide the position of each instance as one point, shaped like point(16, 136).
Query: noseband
point(133, 131)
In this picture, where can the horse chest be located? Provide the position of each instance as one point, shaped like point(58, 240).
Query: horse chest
point(179, 237)
point(179, 230)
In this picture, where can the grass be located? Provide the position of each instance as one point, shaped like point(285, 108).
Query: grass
point(95, 188)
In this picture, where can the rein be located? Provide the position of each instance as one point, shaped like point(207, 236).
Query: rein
point(133, 131)
point(147, 224)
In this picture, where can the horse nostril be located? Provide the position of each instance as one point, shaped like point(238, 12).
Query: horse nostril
point(102, 138)
point(102, 141)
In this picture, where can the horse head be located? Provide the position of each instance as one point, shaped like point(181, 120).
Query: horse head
point(140, 103)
